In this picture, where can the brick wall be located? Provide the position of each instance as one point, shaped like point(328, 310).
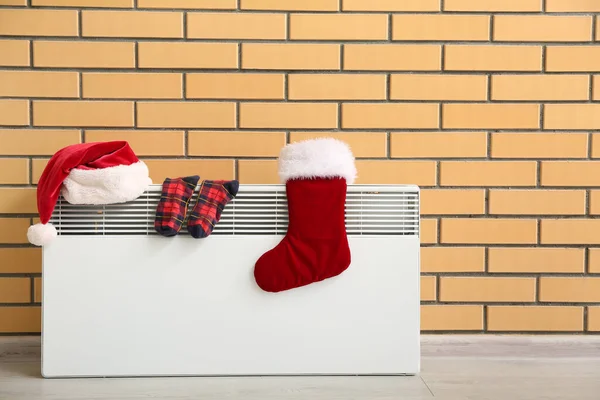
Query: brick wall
point(491, 106)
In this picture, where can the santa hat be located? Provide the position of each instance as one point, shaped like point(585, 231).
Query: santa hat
point(87, 173)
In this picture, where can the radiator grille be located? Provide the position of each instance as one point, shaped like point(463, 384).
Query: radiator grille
point(256, 210)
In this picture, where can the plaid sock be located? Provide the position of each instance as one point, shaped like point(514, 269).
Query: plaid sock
point(173, 204)
point(213, 197)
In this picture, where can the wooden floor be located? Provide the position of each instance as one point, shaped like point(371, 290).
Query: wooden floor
point(453, 368)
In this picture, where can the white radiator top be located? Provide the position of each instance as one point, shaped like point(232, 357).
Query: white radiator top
point(256, 210)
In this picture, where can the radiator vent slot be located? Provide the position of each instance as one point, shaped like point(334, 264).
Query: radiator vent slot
point(257, 210)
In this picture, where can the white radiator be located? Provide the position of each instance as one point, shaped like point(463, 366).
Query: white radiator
point(120, 300)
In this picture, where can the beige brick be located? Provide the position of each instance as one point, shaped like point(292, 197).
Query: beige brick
point(134, 24)
point(258, 172)
point(236, 26)
point(143, 143)
point(13, 231)
point(539, 145)
point(593, 318)
point(15, 53)
point(572, 290)
point(391, 5)
point(39, 84)
point(438, 145)
point(393, 57)
point(236, 144)
point(570, 231)
point(493, 5)
point(535, 318)
point(30, 22)
point(491, 116)
point(37, 166)
point(291, 5)
point(288, 115)
point(85, 3)
point(235, 86)
point(190, 4)
point(573, 58)
point(540, 87)
point(362, 144)
point(83, 113)
point(337, 87)
point(208, 169)
point(18, 201)
point(387, 115)
point(186, 115)
point(489, 230)
point(15, 290)
point(570, 173)
point(21, 260)
point(493, 58)
point(595, 84)
point(594, 260)
point(396, 172)
point(488, 173)
point(438, 87)
point(338, 27)
point(452, 201)
point(452, 259)
point(14, 171)
point(37, 287)
point(595, 145)
point(535, 260)
point(187, 55)
point(594, 202)
point(20, 319)
point(14, 112)
point(36, 142)
point(537, 202)
point(13, 2)
point(572, 6)
point(542, 28)
point(290, 56)
point(441, 27)
point(428, 231)
point(428, 288)
point(451, 318)
point(94, 54)
point(572, 116)
point(132, 85)
point(478, 289)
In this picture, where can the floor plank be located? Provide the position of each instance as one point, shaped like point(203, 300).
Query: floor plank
point(476, 367)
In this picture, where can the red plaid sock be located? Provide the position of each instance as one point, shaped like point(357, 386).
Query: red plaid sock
point(173, 204)
point(213, 197)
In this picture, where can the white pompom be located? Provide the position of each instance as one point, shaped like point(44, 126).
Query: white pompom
point(41, 234)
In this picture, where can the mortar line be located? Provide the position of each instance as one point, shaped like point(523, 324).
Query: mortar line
point(388, 150)
point(237, 114)
point(492, 25)
point(185, 24)
point(30, 165)
point(288, 19)
point(32, 290)
point(186, 143)
point(339, 121)
point(485, 318)
point(184, 86)
point(31, 63)
point(585, 318)
point(342, 49)
point(80, 23)
point(586, 261)
point(236, 169)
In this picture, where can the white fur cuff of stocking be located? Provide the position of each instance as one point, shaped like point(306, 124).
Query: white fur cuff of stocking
point(317, 158)
point(117, 184)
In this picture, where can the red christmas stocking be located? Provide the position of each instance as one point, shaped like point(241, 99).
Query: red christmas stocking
point(316, 173)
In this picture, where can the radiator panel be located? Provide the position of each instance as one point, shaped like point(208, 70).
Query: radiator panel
point(153, 306)
point(256, 210)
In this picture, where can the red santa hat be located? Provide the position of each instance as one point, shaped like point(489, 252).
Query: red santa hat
point(87, 173)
